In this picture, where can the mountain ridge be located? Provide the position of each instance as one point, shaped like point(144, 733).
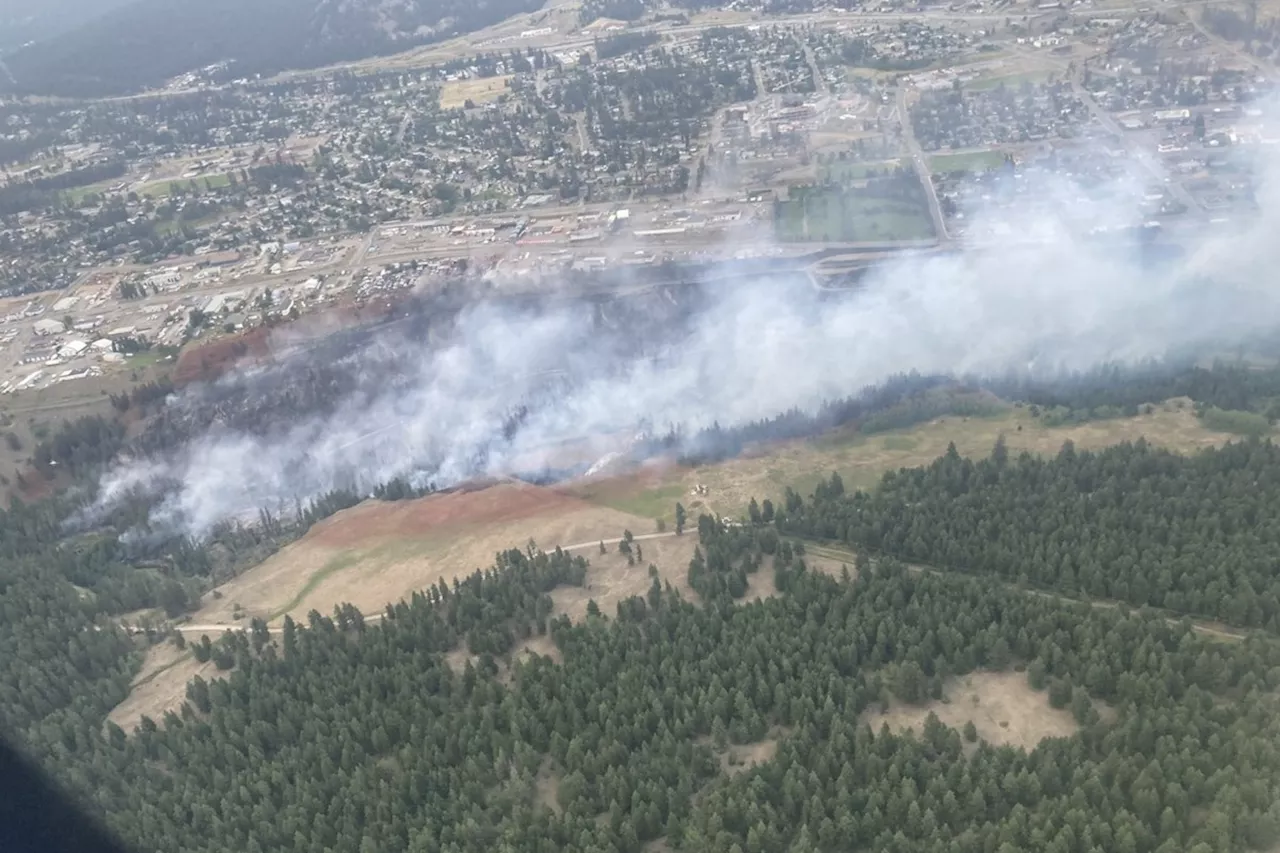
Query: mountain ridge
point(147, 42)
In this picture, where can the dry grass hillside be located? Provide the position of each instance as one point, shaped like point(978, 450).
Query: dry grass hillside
point(377, 553)
point(862, 459)
point(161, 685)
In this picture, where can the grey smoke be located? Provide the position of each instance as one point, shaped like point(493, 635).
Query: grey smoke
point(1042, 297)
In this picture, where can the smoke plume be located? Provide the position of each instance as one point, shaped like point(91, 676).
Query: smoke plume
point(1045, 296)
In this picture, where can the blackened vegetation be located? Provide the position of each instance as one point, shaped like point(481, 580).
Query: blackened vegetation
point(314, 380)
point(718, 443)
point(80, 446)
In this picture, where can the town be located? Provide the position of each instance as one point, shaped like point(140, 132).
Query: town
point(573, 140)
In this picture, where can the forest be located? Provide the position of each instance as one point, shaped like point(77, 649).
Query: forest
point(1133, 523)
point(145, 43)
point(348, 735)
point(431, 728)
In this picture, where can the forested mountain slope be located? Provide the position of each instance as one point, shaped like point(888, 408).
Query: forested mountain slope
point(347, 736)
point(23, 21)
point(149, 41)
point(1196, 534)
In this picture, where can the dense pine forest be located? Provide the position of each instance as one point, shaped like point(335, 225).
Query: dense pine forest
point(346, 733)
point(1194, 534)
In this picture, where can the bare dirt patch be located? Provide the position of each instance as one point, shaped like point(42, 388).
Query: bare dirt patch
point(457, 659)
point(161, 685)
point(378, 553)
point(1002, 706)
point(481, 90)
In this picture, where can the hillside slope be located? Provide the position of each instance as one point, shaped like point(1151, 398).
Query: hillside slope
point(150, 41)
point(23, 21)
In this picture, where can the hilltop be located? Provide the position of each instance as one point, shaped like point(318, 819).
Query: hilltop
point(148, 42)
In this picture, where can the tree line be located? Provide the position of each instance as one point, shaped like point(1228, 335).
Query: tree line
point(1132, 522)
point(346, 735)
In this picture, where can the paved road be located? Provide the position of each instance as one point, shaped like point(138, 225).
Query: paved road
point(1143, 157)
point(922, 167)
point(1229, 47)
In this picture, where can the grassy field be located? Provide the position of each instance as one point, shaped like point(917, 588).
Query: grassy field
point(969, 161)
point(851, 171)
point(78, 194)
point(192, 186)
point(849, 216)
point(160, 685)
point(862, 460)
point(153, 189)
point(378, 553)
point(1001, 705)
point(1009, 81)
point(456, 93)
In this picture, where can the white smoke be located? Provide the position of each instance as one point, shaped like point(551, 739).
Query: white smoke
point(1046, 295)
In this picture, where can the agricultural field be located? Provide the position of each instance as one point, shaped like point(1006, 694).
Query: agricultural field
point(840, 215)
point(967, 161)
point(844, 171)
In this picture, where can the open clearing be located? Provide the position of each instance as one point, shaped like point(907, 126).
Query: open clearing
point(611, 579)
point(841, 171)
point(967, 161)
point(743, 756)
point(481, 90)
point(1002, 706)
point(160, 685)
point(862, 460)
point(377, 553)
point(833, 214)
